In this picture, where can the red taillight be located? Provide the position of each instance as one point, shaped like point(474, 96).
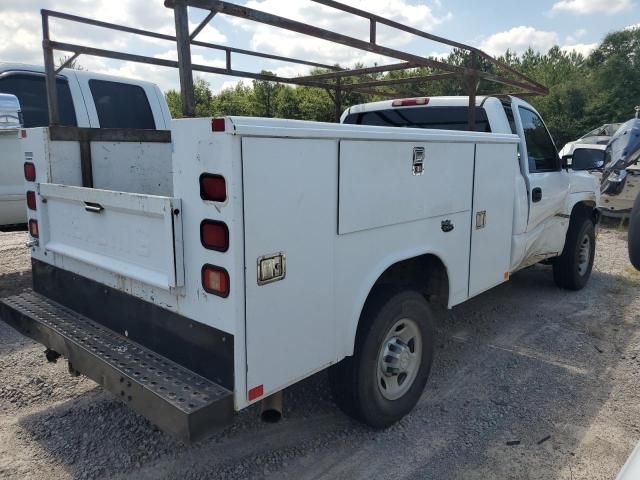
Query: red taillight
point(31, 200)
point(217, 125)
point(214, 235)
point(409, 102)
point(23, 133)
point(29, 172)
point(215, 280)
point(213, 187)
point(33, 228)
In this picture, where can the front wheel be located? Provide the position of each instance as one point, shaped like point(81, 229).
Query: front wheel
point(572, 269)
point(385, 377)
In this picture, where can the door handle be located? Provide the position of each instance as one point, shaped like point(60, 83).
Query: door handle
point(93, 207)
point(536, 194)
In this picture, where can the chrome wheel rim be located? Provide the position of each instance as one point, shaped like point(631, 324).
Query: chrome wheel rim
point(399, 359)
point(584, 255)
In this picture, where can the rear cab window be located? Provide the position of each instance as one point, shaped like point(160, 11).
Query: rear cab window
point(437, 118)
point(32, 94)
point(510, 117)
point(121, 105)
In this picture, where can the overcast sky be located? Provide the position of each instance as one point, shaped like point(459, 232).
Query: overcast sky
point(493, 25)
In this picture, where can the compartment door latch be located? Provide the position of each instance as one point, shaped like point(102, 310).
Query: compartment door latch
point(481, 219)
point(271, 268)
point(418, 161)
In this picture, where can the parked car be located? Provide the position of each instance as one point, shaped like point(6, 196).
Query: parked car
point(620, 176)
point(597, 136)
point(86, 100)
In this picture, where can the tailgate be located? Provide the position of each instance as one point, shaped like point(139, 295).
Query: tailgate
point(134, 235)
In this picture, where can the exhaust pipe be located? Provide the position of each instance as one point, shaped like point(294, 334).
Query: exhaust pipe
point(271, 411)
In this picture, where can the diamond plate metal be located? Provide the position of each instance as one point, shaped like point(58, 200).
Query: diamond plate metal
point(175, 398)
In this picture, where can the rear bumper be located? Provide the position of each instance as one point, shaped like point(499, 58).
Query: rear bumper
point(205, 350)
point(171, 396)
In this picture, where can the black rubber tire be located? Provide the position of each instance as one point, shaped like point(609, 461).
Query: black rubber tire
point(634, 234)
point(565, 268)
point(354, 381)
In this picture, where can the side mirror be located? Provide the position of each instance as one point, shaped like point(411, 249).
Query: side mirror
point(10, 114)
point(587, 159)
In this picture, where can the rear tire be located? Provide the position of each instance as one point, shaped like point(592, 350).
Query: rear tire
point(386, 375)
point(572, 269)
point(634, 234)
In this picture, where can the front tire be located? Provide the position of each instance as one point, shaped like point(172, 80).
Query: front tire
point(386, 375)
point(572, 269)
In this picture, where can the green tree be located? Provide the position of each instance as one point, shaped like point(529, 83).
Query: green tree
point(237, 100)
point(203, 99)
point(73, 64)
point(616, 74)
point(265, 93)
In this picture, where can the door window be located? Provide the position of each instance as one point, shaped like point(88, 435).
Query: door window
point(121, 105)
point(32, 94)
point(541, 151)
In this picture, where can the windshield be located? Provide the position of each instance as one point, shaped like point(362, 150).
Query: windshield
point(607, 130)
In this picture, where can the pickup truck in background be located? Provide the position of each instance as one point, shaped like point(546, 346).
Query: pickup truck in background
point(195, 274)
point(12, 208)
point(86, 100)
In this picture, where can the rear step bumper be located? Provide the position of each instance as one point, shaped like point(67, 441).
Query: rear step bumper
point(174, 398)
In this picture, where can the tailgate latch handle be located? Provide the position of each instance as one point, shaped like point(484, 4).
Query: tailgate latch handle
point(93, 207)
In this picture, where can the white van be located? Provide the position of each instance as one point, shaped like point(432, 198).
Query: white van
point(86, 100)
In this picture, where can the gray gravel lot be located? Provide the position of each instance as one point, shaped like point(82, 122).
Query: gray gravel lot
point(528, 382)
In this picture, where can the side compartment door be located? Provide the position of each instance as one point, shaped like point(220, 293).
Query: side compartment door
point(492, 215)
point(290, 211)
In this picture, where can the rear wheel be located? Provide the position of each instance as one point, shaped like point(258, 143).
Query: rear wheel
point(385, 377)
point(572, 269)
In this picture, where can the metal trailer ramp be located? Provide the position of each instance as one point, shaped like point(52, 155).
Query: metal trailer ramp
point(174, 398)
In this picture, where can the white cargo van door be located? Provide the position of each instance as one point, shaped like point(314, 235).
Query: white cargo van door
point(290, 205)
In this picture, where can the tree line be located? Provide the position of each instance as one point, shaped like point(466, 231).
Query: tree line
point(584, 92)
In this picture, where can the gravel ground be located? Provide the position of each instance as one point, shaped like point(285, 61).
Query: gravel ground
point(528, 382)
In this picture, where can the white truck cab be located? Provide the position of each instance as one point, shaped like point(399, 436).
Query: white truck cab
point(86, 99)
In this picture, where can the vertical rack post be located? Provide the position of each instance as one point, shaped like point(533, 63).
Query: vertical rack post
point(50, 72)
point(183, 42)
point(471, 79)
point(337, 99)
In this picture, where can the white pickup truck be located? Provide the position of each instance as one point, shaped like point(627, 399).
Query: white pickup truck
point(86, 100)
point(197, 277)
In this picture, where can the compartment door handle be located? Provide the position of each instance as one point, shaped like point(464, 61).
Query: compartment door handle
point(93, 207)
